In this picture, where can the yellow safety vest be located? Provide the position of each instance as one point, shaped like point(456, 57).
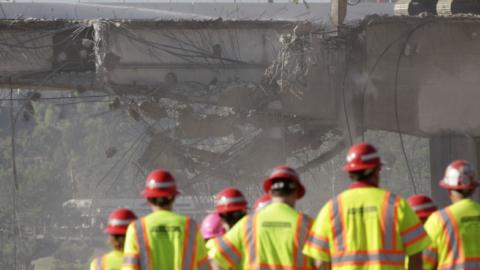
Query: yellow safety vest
point(110, 261)
point(164, 240)
point(270, 239)
point(366, 228)
point(455, 234)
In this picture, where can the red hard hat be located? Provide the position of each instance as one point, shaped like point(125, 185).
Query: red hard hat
point(159, 183)
point(119, 220)
point(230, 200)
point(362, 156)
point(423, 205)
point(284, 172)
point(262, 202)
point(459, 175)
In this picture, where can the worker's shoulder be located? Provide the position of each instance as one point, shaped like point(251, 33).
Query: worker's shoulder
point(166, 217)
point(466, 207)
point(364, 194)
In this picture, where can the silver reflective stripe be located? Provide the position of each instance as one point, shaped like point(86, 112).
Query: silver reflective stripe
point(130, 260)
point(430, 254)
point(302, 238)
point(188, 258)
point(412, 235)
point(318, 242)
point(142, 253)
point(389, 221)
point(337, 225)
point(369, 157)
point(119, 222)
point(204, 266)
point(99, 263)
point(224, 200)
point(424, 206)
point(153, 184)
point(271, 268)
point(228, 250)
point(474, 264)
point(251, 239)
point(455, 250)
point(369, 257)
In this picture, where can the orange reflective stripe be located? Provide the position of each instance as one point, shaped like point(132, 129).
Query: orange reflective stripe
point(451, 231)
point(413, 234)
point(338, 225)
point(98, 263)
point(143, 246)
point(189, 245)
point(131, 260)
point(303, 228)
point(228, 251)
point(389, 221)
point(469, 263)
point(320, 243)
point(431, 255)
point(203, 264)
point(250, 236)
point(104, 263)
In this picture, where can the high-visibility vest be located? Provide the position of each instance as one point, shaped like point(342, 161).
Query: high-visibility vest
point(164, 240)
point(110, 261)
point(270, 239)
point(366, 228)
point(455, 234)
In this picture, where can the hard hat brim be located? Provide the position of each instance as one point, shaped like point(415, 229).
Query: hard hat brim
point(158, 193)
point(115, 230)
point(356, 168)
point(231, 208)
point(472, 185)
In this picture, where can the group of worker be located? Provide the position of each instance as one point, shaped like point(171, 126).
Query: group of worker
point(363, 227)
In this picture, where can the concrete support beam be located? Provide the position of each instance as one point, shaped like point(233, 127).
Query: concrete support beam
point(443, 150)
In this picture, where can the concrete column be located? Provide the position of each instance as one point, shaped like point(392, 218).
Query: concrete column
point(443, 150)
point(338, 12)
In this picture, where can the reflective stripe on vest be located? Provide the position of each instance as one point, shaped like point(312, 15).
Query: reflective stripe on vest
point(467, 264)
point(303, 225)
point(378, 257)
point(319, 243)
point(228, 251)
point(143, 248)
point(251, 238)
point(337, 220)
point(189, 245)
point(131, 260)
point(429, 254)
point(99, 263)
point(412, 234)
point(453, 245)
point(389, 234)
point(389, 220)
point(204, 264)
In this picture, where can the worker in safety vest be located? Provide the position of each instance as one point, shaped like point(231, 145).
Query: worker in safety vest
point(422, 205)
point(366, 227)
point(117, 227)
point(163, 239)
point(455, 230)
point(271, 238)
point(231, 205)
point(262, 202)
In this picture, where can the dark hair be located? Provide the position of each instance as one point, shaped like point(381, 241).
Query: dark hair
point(467, 193)
point(231, 218)
point(283, 187)
point(161, 201)
point(361, 175)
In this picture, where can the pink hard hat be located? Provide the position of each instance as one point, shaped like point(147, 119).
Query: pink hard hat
point(212, 226)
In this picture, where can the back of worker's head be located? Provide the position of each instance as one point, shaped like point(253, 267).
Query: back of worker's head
point(118, 222)
point(231, 205)
point(282, 187)
point(363, 163)
point(160, 189)
point(284, 182)
point(459, 180)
